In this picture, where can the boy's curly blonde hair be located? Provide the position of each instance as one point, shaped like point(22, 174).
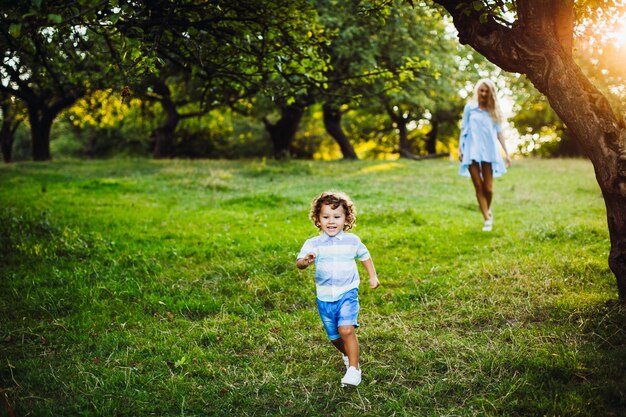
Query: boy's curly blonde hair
point(334, 199)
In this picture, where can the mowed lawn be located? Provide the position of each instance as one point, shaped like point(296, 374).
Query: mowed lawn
point(169, 288)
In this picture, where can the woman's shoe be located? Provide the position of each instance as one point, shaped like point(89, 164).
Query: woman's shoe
point(488, 223)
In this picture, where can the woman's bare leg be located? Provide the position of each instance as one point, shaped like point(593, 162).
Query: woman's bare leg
point(487, 183)
point(477, 180)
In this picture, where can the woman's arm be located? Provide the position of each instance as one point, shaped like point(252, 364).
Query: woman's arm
point(506, 152)
point(464, 122)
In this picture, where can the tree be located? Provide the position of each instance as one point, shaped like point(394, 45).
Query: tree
point(49, 61)
point(539, 44)
point(420, 94)
point(284, 129)
point(103, 123)
point(238, 49)
point(352, 53)
point(180, 99)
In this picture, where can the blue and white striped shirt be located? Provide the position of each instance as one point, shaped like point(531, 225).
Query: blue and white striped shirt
point(335, 267)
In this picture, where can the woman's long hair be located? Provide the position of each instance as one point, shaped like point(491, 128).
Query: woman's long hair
point(493, 106)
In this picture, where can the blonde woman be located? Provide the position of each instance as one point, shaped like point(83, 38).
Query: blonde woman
point(481, 130)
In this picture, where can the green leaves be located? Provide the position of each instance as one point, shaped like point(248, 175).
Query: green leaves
point(15, 29)
point(55, 18)
point(478, 5)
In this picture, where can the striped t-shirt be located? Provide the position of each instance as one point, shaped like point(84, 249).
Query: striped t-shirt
point(335, 267)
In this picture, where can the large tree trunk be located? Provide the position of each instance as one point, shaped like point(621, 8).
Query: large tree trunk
point(332, 123)
point(431, 137)
point(41, 116)
point(40, 126)
point(283, 131)
point(616, 215)
point(540, 46)
point(163, 136)
point(7, 133)
point(6, 144)
point(405, 146)
point(403, 134)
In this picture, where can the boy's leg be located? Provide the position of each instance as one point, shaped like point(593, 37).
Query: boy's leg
point(338, 343)
point(340, 320)
point(346, 324)
point(328, 315)
point(350, 344)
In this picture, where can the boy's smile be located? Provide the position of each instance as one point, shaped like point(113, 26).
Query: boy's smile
point(332, 220)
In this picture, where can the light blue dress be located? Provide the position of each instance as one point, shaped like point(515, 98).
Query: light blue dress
point(479, 140)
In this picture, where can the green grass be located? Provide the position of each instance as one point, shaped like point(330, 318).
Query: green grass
point(137, 287)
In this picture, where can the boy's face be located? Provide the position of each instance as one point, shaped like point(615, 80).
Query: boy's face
point(332, 220)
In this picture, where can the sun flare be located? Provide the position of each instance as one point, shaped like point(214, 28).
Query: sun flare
point(618, 36)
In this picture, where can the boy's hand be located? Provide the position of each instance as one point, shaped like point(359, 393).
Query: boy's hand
point(309, 258)
point(306, 261)
point(374, 283)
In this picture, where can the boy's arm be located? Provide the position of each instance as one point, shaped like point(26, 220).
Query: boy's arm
point(302, 263)
point(371, 271)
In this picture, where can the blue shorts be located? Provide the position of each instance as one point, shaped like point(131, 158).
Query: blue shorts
point(343, 312)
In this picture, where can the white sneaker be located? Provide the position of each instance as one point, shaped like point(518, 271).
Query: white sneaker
point(352, 377)
point(488, 225)
point(346, 361)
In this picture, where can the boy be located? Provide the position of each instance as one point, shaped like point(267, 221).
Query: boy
point(336, 276)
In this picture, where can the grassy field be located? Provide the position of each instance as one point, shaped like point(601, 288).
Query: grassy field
point(169, 288)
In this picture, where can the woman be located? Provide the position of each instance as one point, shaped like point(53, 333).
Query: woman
point(481, 129)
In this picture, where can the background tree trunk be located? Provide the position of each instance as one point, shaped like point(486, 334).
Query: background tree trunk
point(7, 132)
point(40, 126)
point(41, 116)
point(332, 123)
point(431, 137)
point(405, 146)
point(163, 136)
point(283, 131)
point(6, 144)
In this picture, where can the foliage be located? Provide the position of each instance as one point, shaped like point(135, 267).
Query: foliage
point(51, 57)
point(22, 144)
point(542, 133)
point(103, 124)
point(371, 58)
point(222, 133)
point(101, 109)
point(236, 48)
point(45, 52)
point(136, 287)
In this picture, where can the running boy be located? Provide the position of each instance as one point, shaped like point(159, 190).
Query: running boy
point(336, 275)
